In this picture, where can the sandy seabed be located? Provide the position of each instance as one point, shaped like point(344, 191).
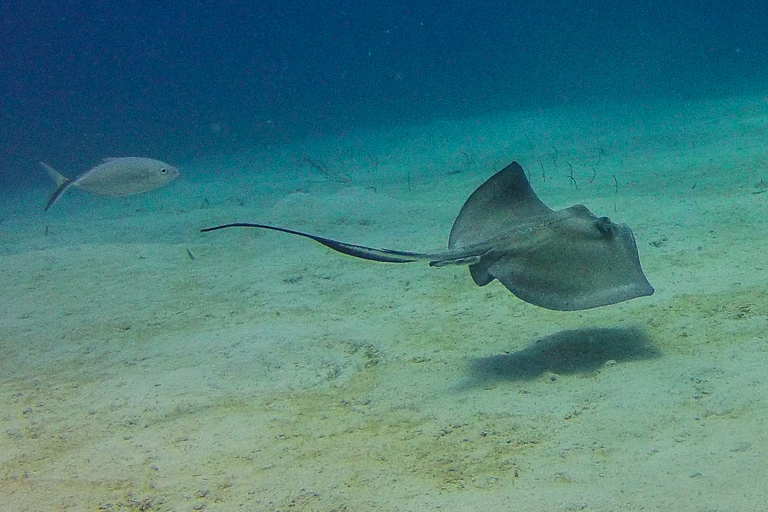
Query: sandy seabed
point(147, 366)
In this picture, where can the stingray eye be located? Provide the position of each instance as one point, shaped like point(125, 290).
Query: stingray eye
point(163, 170)
point(604, 225)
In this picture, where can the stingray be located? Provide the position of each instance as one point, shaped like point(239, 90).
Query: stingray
point(565, 260)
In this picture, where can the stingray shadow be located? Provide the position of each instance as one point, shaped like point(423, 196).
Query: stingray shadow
point(565, 352)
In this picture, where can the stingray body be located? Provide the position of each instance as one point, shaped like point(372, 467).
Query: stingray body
point(564, 260)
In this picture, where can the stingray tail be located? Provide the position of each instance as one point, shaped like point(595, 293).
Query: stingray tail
point(62, 184)
point(358, 251)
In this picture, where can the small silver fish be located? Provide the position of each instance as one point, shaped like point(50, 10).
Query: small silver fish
point(115, 177)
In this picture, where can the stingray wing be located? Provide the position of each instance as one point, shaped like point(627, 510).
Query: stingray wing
point(579, 262)
point(501, 204)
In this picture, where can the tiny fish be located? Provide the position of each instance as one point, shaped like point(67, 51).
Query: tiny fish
point(115, 177)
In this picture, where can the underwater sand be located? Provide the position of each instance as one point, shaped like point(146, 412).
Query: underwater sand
point(272, 374)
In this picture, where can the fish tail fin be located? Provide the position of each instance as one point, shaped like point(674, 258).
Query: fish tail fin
point(62, 183)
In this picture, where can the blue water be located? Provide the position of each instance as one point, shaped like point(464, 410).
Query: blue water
point(83, 80)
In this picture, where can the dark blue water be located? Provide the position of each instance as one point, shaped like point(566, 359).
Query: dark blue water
point(80, 80)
